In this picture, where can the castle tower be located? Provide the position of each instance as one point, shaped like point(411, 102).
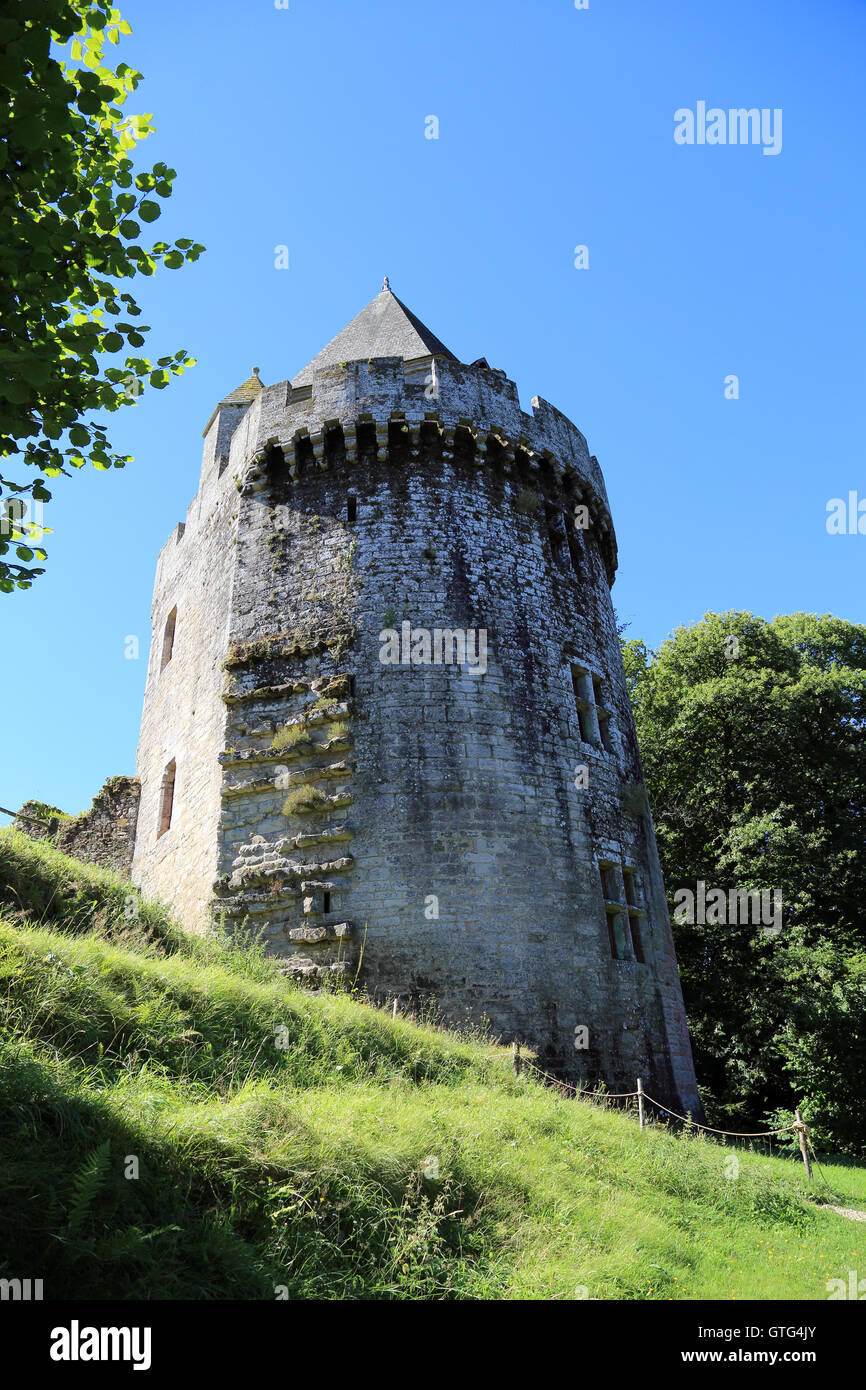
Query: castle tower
point(386, 721)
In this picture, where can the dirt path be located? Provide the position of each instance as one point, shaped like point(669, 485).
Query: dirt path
point(850, 1212)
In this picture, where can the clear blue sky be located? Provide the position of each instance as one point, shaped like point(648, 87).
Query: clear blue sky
point(305, 127)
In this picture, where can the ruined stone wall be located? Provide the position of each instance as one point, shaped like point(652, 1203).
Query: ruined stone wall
point(104, 835)
point(423, 789)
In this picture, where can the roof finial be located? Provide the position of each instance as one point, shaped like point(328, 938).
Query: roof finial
point(255, 371)
point(386, 284)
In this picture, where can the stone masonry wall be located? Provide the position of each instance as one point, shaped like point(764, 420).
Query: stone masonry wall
point(183, 718)
point(477, 839)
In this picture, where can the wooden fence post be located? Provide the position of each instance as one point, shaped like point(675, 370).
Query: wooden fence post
point(394, 1008)
point(804, 1149)
point(640, 1101)
point(515, 1057)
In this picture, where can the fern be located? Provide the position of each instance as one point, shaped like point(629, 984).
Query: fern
point(87, 1183)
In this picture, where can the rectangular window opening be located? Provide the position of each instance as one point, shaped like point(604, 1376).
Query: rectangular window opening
point(608, 883)
point(168, 638)
point(351, 508)
point(616, 935)
point(574, 551)
point(637, 937)
point(326, 901)
point(605, 726)
point(604, 730)
point(556, 533)
point(167, 798)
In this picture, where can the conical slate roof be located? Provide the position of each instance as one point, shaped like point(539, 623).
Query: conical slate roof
point(385, 328)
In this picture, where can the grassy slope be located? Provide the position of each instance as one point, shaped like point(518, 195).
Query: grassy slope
point(301, 1165)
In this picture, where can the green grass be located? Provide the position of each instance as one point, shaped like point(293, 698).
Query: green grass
point(302, 800)
point(285, 1141)
point(291, 736)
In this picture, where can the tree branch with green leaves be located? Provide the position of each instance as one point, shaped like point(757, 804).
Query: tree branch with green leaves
point(72, 208)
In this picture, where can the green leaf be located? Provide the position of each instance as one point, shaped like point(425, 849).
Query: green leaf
point(148, 211)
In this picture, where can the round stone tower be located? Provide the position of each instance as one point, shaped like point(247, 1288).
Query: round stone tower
point(386, 720)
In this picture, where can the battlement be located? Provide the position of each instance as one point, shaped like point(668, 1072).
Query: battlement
point(319, 421)
point(455, 394)
point(390, 406)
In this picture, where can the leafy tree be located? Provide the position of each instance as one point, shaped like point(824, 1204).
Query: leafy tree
point(72, 209)
point(822, 1042)
point(753, 740)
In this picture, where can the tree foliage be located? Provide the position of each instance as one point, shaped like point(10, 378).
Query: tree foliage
point(753, 740)
point(73, 213)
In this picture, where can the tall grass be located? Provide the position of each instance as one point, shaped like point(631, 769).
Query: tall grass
point(176, 1120)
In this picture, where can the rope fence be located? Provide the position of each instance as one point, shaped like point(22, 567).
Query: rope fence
point(797, 1125)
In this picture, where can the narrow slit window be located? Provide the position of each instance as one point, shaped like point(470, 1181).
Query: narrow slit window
point(584, 699)
point(603, 717)
point(326, 901)
point(604, 730)
point(574, 551)
point(556, 532)
point(608, 883)
point(167, 798)
point(637, 937)
point(351, 508)
point(168, 638)
point(616, 935)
